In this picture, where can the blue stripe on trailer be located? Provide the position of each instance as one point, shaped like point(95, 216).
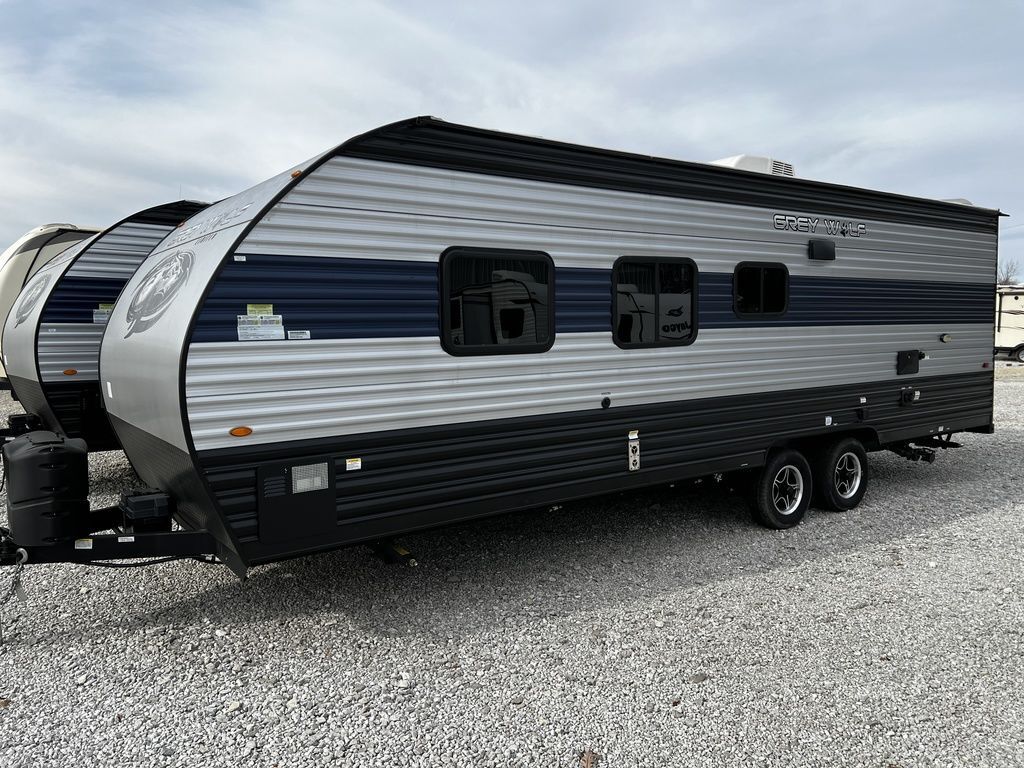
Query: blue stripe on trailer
point(74, 298)
point(380, 298)
point(815, 300)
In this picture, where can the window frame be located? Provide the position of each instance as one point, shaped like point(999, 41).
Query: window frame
point(735, 294)
point(444, 297)
point(694, 310)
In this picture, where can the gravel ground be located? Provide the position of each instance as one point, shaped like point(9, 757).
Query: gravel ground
point(657, 628)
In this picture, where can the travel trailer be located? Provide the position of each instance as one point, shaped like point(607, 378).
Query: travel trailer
point(433, 322)
point(51, 340)
point(1010, 321)
point(26, 256)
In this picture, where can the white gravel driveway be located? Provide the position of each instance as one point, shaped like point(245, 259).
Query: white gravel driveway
point(657, 629)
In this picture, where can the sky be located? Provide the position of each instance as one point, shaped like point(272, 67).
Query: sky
point(107, 108)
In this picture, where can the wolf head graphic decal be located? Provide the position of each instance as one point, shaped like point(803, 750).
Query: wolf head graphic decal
point(157, 289)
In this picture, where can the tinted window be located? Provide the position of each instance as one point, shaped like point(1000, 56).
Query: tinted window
point(496, 301)
point(654, 302)
point(760, 289)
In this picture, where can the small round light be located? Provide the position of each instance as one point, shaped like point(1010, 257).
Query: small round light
point(70, 372)
point(296, 174)
point(946, 338)
point(241, 432)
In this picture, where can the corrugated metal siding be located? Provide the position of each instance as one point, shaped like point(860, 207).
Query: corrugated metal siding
point(72, 346)
point(368, 185)
point(435, 143)
point(118, 253)
point(73, 299)
point(365, 298)
point(822, 300)
point(77, 407)
point(295, 390)
point(503, 463)
point(359, 214)
point(100, 271)
point(339, 298)
point(304, 230)
point(360, 298)
point(583, 300)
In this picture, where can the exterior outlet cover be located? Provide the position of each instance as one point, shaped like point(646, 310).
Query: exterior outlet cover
point(908, 362)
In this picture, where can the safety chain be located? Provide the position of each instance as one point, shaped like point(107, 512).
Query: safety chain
point(15, 589)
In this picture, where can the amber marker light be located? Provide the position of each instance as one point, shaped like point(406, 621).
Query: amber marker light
point(296, 174)
point(241, 432)
point(70, 372)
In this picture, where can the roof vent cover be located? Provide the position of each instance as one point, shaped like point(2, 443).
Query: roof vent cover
point(756, 164)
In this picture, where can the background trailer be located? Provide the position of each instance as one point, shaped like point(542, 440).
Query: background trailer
point(433, 322)
point(26, 256)
point(52, 338)
point(1010, 321)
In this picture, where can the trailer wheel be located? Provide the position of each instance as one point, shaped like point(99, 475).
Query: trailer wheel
point(841, 475)
point(1018, 354)
point(782, 492)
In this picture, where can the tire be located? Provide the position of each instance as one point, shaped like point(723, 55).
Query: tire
point(1018, 354)
point(841, 475)
point(782, 491)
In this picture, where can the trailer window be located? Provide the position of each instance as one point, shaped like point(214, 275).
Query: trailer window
point(496, 301)
point(655, 302)
point(760, 289)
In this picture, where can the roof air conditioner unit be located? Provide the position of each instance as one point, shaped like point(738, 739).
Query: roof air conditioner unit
point(756, 164)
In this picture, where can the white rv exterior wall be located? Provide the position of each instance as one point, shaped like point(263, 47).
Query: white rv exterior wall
point(357, 209)
point(311, 221)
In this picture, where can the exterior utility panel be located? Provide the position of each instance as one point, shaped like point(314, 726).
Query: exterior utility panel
point(433, 322)
point(52, 337)
point(28, 254)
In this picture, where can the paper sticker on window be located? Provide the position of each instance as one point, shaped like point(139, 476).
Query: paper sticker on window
point(259, 309)
point(298, 334)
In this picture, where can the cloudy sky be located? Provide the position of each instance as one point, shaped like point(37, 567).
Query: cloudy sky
point(110, 107)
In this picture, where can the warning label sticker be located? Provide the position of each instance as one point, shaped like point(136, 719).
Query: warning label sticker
point(259, 309)
point(102, 313)
point(260, 327)
point(298, 334)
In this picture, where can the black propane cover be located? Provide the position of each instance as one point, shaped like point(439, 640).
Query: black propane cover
point(47, 488)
